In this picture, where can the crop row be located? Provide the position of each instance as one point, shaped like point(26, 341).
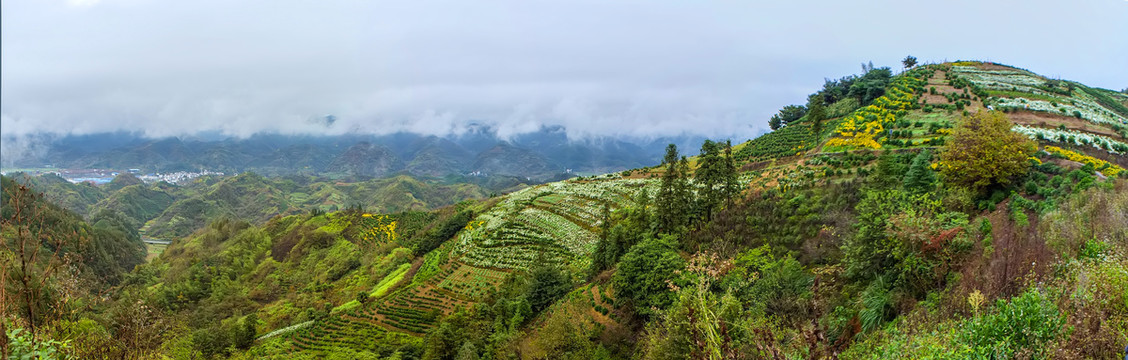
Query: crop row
point(1045, 95)
point(790, 140)
point(1073, 138)
point(1104, 167)
point(862, 128)
point(1089, 111)
point(337, 332)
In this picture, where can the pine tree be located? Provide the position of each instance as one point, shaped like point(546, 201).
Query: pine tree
point(716, 177)
point(708, 177)
point(731, 180)
point(673, 199)
point(604, 249)
point(816, 113)
point(909, 62)
point(919, 177)
point(775, 122)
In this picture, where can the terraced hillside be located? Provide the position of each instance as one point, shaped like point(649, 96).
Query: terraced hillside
point(558, 222)
point(918, 111)
point(846, 221)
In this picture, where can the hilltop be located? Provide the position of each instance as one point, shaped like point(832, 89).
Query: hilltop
point(955, 210)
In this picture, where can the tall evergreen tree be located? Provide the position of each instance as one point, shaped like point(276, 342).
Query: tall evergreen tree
point(816, 113)
point(604, 249)
point(673, 201)
point(920, 178)
point(732, 183)
point(626, 228)
point(715, 176)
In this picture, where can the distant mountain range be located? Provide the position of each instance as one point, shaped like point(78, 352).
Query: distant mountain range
point(542, 154)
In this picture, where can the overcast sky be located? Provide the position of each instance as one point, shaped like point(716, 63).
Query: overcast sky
point(646, 68)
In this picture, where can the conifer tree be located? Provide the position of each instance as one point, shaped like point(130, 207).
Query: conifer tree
point(604, 249)
point(673, 199)
point(920, 178)
point(716, 177)
point(816, 113)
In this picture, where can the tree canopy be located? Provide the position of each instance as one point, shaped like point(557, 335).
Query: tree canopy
point(984, 152)
point(871, 85)
point(787, 115)
point(909, 62)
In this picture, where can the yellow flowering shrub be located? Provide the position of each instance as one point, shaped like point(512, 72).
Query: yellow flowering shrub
point(862, 127)
point(1104, 167)
point(378, 229)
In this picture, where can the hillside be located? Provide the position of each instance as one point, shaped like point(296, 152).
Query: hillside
point(954, 210)
point(254, 198)
point(75, 197)
point(40, 237)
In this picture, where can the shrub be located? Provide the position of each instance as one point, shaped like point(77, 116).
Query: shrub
point(1026, 324)
point(644, 274)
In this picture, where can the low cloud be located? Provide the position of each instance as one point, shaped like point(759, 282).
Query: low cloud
point(29, 146)
point(636, 68)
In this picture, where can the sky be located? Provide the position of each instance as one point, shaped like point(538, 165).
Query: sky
point(606, 68)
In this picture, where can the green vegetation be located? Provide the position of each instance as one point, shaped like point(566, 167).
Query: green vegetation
point(985, 152)
point(787, 115)
point(789, 141)
point(957, 236)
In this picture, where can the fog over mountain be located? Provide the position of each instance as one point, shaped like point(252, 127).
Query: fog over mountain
point(637, 68)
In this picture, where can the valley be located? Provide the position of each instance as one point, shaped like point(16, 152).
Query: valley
point(962, 209)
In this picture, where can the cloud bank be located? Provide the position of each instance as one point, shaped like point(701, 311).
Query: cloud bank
point(632, 68)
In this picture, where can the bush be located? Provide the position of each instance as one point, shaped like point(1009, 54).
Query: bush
point(645, 272)
point(1027, 324)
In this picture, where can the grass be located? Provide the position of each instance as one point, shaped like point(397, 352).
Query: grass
point(934, 117)
point(387, 282)
point(154, 250)
point(346, 306)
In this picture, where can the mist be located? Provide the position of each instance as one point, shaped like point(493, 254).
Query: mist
point(631, 68)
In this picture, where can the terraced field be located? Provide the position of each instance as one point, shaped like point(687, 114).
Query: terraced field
point(559, 220)
point(792, 140)
point(346, 331)
point(1016, 88)
point(1049, 110)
